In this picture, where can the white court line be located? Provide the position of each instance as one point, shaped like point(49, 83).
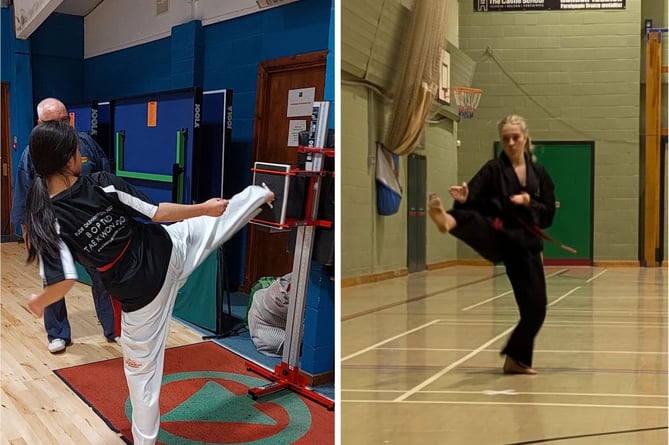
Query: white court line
point(622, 324)
point(443, 402)
point(557, 273)
point(565, 295)
point(530, 393)
point(508, 292)
point(607, 323)
point(613, 311)
point(362, 351)
point(487, 301)
point(596, 276)
point(536, 351)
point(415, 389)
point(498, 320)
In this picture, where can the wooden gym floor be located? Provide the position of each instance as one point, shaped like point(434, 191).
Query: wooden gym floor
point(37, 408)
point(420, 360)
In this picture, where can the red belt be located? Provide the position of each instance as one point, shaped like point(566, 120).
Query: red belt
point(106, 267)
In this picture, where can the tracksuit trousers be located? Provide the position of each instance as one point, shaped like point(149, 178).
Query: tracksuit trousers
point(56, 323)
point(144, 331)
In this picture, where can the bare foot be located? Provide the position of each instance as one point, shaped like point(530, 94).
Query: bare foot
point(438, 214)
point(513, 367)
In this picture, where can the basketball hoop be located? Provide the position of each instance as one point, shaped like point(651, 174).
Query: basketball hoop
point(467, 100)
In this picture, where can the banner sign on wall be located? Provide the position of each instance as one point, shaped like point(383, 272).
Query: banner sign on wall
point(546, 5)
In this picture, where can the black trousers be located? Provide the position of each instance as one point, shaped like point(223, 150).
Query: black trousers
point(525, 270)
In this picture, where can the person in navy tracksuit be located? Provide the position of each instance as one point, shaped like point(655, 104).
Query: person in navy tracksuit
point(500, 213)
point(94, 220)
point(56, 322)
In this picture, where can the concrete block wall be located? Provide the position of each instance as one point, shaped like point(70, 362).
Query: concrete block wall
point(370, 244)
point(442, 167)
point(373, 244)
point(187, 46)
point(318, 340)
point(575, 76)
point(356, 182)
point(56, 48)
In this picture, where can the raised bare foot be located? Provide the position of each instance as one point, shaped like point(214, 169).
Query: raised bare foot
point(437, 213)
point(513, 367)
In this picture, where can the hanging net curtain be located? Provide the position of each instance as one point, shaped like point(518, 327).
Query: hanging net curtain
point(419, 79)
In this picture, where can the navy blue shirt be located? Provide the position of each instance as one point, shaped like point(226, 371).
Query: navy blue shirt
point(93, 160)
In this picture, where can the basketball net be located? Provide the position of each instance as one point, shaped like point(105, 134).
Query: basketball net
point(467, 100)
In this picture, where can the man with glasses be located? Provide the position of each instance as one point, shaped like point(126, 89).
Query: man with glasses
point(93, 160)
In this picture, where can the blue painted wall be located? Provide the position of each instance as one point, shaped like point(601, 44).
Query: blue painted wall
point(217, 56)
point(17, 72)
point(6, 43)
point(330, 69)
point(50, 63)
point(57, 49)
point(129, 72)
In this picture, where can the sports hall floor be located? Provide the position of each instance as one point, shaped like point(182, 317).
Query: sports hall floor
point(420, 360)
point(36, 407)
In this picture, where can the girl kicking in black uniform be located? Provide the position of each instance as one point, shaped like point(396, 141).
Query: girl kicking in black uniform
point(497, 213)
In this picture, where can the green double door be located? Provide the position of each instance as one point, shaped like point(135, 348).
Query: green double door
point(571, 166)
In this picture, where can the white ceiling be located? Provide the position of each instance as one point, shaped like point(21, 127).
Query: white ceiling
point(78, 7)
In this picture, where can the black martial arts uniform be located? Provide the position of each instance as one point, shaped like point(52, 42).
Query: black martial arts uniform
point(501, 231)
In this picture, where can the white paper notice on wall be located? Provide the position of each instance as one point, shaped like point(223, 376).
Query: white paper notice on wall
point(300, 101)
point(296, 126)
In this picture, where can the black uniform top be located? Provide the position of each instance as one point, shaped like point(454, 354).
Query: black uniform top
point(96, 219)
point(491, 188)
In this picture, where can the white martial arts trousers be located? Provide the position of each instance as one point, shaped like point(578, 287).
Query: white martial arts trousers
point(144, 331)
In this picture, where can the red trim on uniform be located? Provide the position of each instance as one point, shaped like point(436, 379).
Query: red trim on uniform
point(116, 260)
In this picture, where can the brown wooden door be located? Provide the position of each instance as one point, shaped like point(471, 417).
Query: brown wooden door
point(6, 164)
point(267, 253)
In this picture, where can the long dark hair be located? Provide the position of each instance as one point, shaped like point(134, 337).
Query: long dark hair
point(52, 145)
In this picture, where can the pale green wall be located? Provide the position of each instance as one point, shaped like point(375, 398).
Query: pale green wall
point(372, 244)
point(581, 71)
point(442, 165)
point(356, 182)
point(583, 68)
point(369, 243)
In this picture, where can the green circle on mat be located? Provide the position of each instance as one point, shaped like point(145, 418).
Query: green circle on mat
point(299, 416)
